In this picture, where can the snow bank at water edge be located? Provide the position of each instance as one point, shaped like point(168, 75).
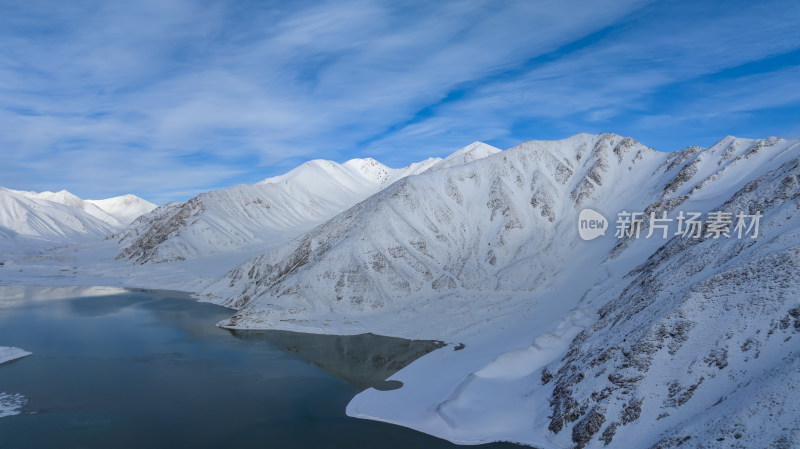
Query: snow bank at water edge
point(8, 354)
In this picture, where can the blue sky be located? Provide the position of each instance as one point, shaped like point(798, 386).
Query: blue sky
point(169, 98)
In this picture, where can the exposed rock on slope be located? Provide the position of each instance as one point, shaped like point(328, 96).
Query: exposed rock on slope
point(246, 215)
point(702, 346)
point(480, 227)
point(270, 211)
point(695, 340)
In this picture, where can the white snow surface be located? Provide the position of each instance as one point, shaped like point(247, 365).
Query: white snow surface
point(487, 254)
point(566, 343)
point(117, 211)
point(62, 216)
point(8, 353)
point(269, 212)
point(470, 153)
point(11, 404)
point(30, 217)
point(125, 208)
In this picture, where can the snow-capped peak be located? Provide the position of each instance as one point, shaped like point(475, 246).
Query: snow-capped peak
point(62, 197)
point(59, 215)
point(470, 153)
point(124, 208)
point(646, 342)
point(251, 215)
point(473, 151)
point(28, 214)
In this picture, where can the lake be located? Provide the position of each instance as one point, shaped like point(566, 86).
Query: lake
point(114, 368)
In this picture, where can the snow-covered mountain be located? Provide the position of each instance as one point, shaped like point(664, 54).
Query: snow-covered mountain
point(659, 341)
point(118, 211)
point(655, 341)
point(270, 211)
point(479, 227)
point(470, 153)
point(62, 215)
point(32, 217)
point(124, 208)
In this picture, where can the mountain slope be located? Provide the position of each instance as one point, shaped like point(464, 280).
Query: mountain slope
point(472, 228)
point(470, 153)
point(270, 211)
point(125, 208)
point(701, 340)
point(117, 211)
point(567, 342)
point(29, 215)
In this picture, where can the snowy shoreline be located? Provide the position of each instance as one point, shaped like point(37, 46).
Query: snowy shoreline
point(556, 341)
point(10, 404)
point(8, 353)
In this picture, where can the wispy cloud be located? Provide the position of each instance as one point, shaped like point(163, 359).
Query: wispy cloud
point(668, 59)
point(172, 97)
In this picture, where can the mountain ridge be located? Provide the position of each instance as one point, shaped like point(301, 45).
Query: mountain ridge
point(62, 215)
point(264, 213)
point(487, 254)
point(552, 341)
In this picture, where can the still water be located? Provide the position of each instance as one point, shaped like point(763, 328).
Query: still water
point(116, 368)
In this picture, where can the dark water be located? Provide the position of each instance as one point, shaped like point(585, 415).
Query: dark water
point(125, 369)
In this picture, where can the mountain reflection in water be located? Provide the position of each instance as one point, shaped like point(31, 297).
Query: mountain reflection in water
point(364, 360)
point(130, 369)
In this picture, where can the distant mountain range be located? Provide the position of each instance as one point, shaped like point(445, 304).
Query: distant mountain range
point(62, 216)
point(269, 211)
